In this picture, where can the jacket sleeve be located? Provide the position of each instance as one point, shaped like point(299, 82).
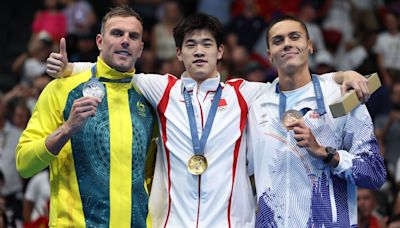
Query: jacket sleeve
point(360, 160)
point(32, 155)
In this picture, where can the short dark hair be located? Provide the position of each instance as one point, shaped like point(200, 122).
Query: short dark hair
point(119, 11)
point(198, 21)
point(286, 18)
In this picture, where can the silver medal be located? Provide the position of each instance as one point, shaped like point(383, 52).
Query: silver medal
point(94, 88)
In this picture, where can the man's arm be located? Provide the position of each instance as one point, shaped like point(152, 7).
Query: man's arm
point(362, 162)
point(358, 160)
point(353, 80)
point(47, 133)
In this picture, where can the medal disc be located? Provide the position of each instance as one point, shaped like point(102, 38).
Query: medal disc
point(197, 164)
point(289, 117)
point(93, 88)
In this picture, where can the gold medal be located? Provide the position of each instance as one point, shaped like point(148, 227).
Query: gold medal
point(197, 164)
point(289, 117)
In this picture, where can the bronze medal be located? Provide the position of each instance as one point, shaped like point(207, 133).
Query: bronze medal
point(289, 117)
point(197, 164)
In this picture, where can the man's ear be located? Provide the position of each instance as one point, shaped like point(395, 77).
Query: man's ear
point(179, 54)
point(220, 51)
point(141, 50)
point(310, 47)
point(269, 56)
point(99, 41)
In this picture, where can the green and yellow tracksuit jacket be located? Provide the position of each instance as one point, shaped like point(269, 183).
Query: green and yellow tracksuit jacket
point(98, 178)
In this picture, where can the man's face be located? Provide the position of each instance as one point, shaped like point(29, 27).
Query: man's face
point(121, 44)
point(288, 46)
point(200, 53)
point(365, 202)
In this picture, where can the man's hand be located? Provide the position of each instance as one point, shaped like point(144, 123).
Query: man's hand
point(82, 109)
point(356, 81)
point(306, 139)
point(57, 63)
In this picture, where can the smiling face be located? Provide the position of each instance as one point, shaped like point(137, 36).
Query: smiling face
point(200, 53)
point(120, 43)
point(289, 46)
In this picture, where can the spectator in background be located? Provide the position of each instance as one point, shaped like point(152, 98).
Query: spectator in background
point(218, 9)
point(163, 43)
point(339, 19)
point(388, 50)
point(81, 20)
point(240, 58)
point(36, 199)
point(247, 27)
point(307, 14)
point(394, 222)
point(32, 63)
point(80, 16)
point(20, 114)
point(3, 218)
point(387, 129)
point(86, 49)
point(364, 17)
point(324, 62)
point(254, 72)
point(366, 203)
point(50, 20)
point(12, 189)
point(2, 182)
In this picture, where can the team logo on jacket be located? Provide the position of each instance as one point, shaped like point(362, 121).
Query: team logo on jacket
point(314, 115)
point(222, 104)
point(141, 109)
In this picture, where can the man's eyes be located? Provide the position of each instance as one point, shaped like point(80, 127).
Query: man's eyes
point(117, 32)
point(134, 36)
point(295, 36)
point(277, 40)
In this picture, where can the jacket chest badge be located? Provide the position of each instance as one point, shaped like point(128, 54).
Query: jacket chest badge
point(314, 115)
point(141, 109)
point(222, 105)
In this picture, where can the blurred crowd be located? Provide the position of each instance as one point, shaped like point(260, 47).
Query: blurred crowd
point(346, 34)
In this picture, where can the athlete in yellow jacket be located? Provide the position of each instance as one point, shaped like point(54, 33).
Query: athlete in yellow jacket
point(96, 148)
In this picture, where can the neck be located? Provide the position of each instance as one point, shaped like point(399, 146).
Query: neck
point(107, 71)
point(293, 80)
point(201, 79)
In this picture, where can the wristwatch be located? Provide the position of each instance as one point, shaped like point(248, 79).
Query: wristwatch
point(331, 152)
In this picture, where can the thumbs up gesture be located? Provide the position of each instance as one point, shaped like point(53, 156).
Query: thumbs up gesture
point(57, 63)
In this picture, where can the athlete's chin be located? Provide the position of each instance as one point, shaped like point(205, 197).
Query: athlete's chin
point(123, 67)
point(291, 68)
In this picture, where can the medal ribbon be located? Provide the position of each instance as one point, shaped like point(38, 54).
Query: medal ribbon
point(199, 145)
point(318, 95)
point(102, 79)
